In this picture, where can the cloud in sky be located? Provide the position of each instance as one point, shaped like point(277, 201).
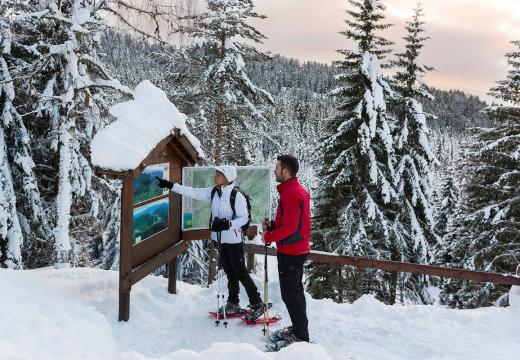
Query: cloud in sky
point(468, 37)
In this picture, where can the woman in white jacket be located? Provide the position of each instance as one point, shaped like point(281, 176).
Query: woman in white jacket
point(230, 227)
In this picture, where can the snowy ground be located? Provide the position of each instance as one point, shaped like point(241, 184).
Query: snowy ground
point(72, 314)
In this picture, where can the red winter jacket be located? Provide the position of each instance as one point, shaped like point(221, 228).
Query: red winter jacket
point(293, 220)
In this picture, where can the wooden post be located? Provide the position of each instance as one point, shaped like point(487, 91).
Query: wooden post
point(212, 273)
point(124, 304)
point(172, 276)
point(393, 288)
point(393, 279)
point(125, 253)
point(250, 262)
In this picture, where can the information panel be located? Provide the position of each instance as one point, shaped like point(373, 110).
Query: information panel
point(151, 217)
point(254, 181)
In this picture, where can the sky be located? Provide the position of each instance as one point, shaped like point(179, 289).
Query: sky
point(468, 37)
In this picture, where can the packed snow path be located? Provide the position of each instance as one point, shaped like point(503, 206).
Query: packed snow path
point(72, 314)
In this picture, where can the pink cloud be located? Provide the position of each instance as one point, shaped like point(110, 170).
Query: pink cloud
point(469, 37)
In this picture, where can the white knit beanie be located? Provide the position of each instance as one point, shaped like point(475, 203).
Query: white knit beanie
point(229, 172)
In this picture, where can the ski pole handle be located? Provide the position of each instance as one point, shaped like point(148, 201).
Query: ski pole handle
point(266, 225)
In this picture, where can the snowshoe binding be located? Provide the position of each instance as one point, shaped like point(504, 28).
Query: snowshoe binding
point(254, 315)
point(255, 311)
point(232, 311)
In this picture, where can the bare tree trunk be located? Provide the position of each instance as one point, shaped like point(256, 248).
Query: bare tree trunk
point(218, 136)
point(220, 111)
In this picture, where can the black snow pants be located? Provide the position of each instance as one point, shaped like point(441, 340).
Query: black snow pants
point(290, 272)
point(233, 262)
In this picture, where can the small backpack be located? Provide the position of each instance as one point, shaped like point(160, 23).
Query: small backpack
point(232, 200)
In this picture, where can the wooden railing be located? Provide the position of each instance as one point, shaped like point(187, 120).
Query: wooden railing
point(360, 262)
point(391, 266)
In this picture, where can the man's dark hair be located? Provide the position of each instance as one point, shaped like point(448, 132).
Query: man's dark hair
point(290, 163)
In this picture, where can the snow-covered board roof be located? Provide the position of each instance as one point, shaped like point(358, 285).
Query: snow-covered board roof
point(141, 124)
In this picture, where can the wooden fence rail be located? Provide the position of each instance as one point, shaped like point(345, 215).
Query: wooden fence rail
point(391, 266)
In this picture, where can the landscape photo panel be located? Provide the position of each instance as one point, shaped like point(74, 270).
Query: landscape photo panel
point(145, 185)
point(150, 219)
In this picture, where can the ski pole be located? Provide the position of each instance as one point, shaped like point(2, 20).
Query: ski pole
point(219, 237)
point(266, 298)
point(219, 281)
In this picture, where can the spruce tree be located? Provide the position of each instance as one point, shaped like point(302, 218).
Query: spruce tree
point(356, 207)
point(213, 83)
point(488, 238)
point(212, 86)
point(414, 155)
point(449, 197)
point(508, 90)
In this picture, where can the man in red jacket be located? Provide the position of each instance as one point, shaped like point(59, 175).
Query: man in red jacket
point(291, 231)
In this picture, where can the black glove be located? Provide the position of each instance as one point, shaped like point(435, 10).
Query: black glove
point(164, 183)
point(220, 225)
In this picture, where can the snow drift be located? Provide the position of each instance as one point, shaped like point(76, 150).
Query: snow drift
point(72, 314)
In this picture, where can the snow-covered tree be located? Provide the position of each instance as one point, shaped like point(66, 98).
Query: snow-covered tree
point(487, 237)
point(448, 200)
point(193, 267)
point(357, 205)
point(414, 155)
point(63, 90)
point(11, 238)
point(489, 232)
point(297, 131)
point(223, 100)
point(508, 90)
point(210, 84)
point(110, 240)
point(70, 87)
point(23, 211)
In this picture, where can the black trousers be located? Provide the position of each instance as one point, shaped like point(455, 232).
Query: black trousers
point(290, 272)
point(233, 262)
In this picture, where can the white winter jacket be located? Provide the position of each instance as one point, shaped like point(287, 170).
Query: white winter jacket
point(221, 207)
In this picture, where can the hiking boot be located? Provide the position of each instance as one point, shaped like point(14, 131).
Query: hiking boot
point(231, 308)
point(281, 334)
point(255, 311)
point(256, 306)
point(290, 339)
